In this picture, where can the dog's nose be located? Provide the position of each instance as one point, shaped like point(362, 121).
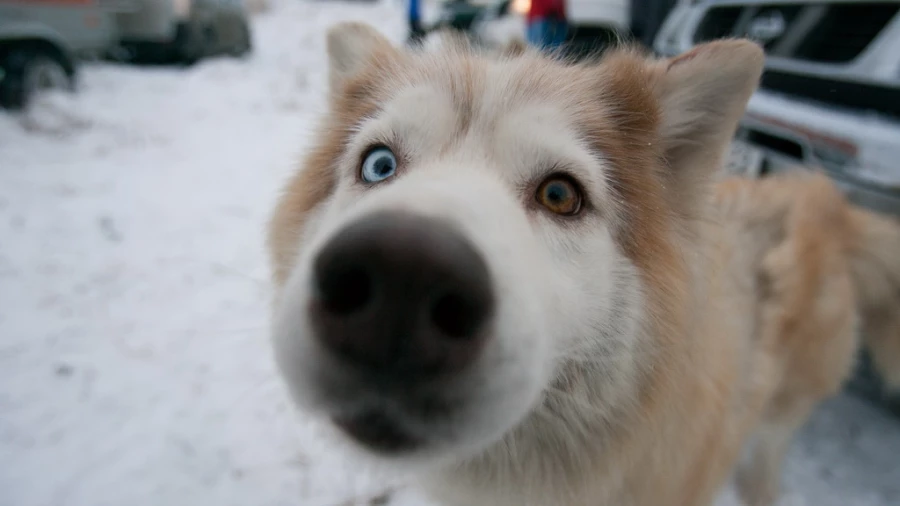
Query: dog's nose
point(402, 297)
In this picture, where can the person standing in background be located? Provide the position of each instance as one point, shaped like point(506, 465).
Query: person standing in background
point(546, 25)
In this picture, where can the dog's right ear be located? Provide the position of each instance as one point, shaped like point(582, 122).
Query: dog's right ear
point(352, 47)
point(702, 95)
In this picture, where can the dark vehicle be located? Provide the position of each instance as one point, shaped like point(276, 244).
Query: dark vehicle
point(184, 31)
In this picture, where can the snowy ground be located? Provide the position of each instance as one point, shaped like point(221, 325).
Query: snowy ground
point(134, 362)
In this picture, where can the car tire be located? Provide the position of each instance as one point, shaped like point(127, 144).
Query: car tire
point(245, 44)
point(29, 71)
point(189, 46)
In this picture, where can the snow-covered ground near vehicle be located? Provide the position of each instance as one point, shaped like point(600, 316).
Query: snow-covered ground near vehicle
point(135, 366)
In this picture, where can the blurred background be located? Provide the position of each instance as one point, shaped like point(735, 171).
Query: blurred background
point(142, 144)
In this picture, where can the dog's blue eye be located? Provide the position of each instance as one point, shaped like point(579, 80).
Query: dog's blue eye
point(378, 165)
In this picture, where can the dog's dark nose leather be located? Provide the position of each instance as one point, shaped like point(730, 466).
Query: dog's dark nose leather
point(401, 297)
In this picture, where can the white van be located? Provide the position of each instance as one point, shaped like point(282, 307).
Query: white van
point(40, 43)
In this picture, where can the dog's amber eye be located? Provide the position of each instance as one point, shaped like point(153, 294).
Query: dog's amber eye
point(560, 195)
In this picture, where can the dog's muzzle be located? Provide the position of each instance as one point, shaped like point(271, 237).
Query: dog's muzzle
point(400, 300)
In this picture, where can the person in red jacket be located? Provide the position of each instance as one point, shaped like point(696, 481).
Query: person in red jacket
point(546, 23)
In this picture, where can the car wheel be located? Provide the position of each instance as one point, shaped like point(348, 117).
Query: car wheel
point(29, 72)
point(190, 44)
point(44, 73)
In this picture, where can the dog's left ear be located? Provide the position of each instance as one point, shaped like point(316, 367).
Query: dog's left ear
point(702, 95)
point(352, 47)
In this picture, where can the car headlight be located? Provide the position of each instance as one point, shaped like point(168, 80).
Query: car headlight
point(521, 7)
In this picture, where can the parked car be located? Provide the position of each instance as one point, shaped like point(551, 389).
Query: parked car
point(40, 43)
point(829, 97)
point(595, 24)
point(471, 19)
point(182, 30)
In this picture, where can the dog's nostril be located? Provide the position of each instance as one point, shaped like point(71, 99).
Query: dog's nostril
point(345, 290)
point(456, 316)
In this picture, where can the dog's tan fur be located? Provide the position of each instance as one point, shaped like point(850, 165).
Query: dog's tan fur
point(825, 272)
point(747, 299)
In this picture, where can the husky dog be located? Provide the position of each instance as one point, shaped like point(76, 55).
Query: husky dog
point(514, 275)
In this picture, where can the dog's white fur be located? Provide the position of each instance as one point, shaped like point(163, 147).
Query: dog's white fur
point(633, 350)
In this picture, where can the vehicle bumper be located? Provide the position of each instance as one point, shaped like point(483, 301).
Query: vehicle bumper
point(859, 150)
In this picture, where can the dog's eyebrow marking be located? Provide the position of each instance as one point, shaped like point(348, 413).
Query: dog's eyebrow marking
point(464, 81)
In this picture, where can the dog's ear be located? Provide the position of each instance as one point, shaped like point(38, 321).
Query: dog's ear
point(353, 46)
point(702, 95)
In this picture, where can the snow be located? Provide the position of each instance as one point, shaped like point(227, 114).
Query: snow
point(135, 366)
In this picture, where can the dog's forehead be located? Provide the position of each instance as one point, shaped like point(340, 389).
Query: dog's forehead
point(438, 101)
point(481, 89)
